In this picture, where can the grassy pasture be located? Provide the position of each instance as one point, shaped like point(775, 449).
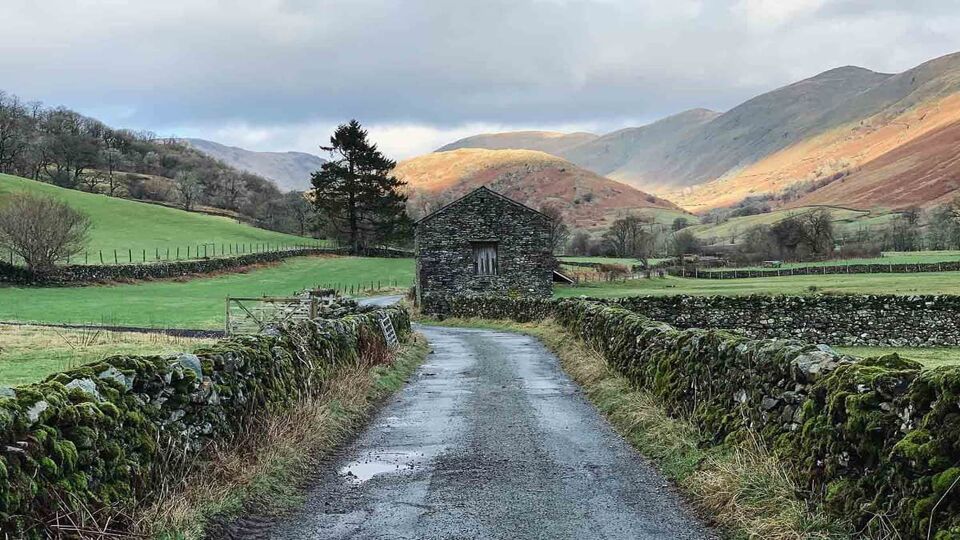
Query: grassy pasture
point(905, 284)
point(30, 353)
point(122, 225)
point(845, 221)
point(930, 357)
point(889, 257)
point(195, 303)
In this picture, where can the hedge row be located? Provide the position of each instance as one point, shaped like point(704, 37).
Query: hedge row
point(96, 436)
point(96, 273)
point(900, 268)
point(867, 437)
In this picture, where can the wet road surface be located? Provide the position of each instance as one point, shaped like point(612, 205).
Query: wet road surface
point(490, 440)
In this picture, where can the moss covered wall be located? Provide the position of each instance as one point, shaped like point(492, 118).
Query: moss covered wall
point(867, 437)
point(93, 436)
point(917, 321)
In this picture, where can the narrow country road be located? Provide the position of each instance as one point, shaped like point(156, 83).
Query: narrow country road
point(490, 440)
point(380, 301)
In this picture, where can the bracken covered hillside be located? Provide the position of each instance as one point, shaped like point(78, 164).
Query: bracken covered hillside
point(534, 178)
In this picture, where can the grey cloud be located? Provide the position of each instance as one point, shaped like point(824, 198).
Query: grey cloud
point(443, 63)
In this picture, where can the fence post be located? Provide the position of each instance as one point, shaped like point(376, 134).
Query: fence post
point(129, 255)
point(115, 261)
point(101, 256)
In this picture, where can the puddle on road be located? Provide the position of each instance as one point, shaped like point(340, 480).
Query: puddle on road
point(363, 470)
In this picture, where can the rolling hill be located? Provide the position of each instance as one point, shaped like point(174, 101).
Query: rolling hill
point(123, 224)
point(872, 130)
point(290, 170)
point(551, 142)
point(587, 200)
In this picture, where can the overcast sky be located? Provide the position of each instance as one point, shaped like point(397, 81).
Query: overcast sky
point(280, 74)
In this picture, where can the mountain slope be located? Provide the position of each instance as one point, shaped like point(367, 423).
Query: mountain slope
point(550, 142)
point(625, 154)
point(922, 172)
point(587, 200)
point(794, 138)
point(290, 170)
point(889, 116)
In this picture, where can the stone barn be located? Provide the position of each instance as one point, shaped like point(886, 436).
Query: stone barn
point(484, 243)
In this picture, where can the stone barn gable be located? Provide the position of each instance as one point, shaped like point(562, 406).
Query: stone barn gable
point(484, 243)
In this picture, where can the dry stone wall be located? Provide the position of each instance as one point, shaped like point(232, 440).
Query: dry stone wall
point(915, 321)
point(733, 273)
point(92, 437)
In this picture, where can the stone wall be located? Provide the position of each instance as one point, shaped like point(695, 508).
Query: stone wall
point(445, 263)
point(94, 435)
point(733, 273)
point(94, 273)
point(916, 321)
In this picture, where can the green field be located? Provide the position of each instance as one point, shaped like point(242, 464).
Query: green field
point(666, 216)
point(845, 221)
point(30, 353)
point(197, 303)
point(920, 283)
point(131, 227)
point(930, 357)
point(889, 257)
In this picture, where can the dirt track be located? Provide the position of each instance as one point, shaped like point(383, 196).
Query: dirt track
point(490, 440)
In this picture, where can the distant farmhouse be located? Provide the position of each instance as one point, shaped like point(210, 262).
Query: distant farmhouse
point(484, 243)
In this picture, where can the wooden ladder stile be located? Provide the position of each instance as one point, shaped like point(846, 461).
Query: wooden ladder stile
point(389, 334)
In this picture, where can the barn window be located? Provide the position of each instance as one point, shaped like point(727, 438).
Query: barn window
point(484, 258)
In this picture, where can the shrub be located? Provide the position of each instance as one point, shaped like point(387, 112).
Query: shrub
point(42, 230)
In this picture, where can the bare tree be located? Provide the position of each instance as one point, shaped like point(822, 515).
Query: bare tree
point(816, 231)
point(112, 159)
point(42, 230)
point(301, 211)
point(559, 232)
point(189, 188)
point(580, 244)
point(628, 237)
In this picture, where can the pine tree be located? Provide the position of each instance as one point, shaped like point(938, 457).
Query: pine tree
point(356, 192)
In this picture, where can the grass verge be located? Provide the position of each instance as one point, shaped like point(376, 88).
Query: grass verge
point(262, 471)
point(739, 485)
point(30, 353)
